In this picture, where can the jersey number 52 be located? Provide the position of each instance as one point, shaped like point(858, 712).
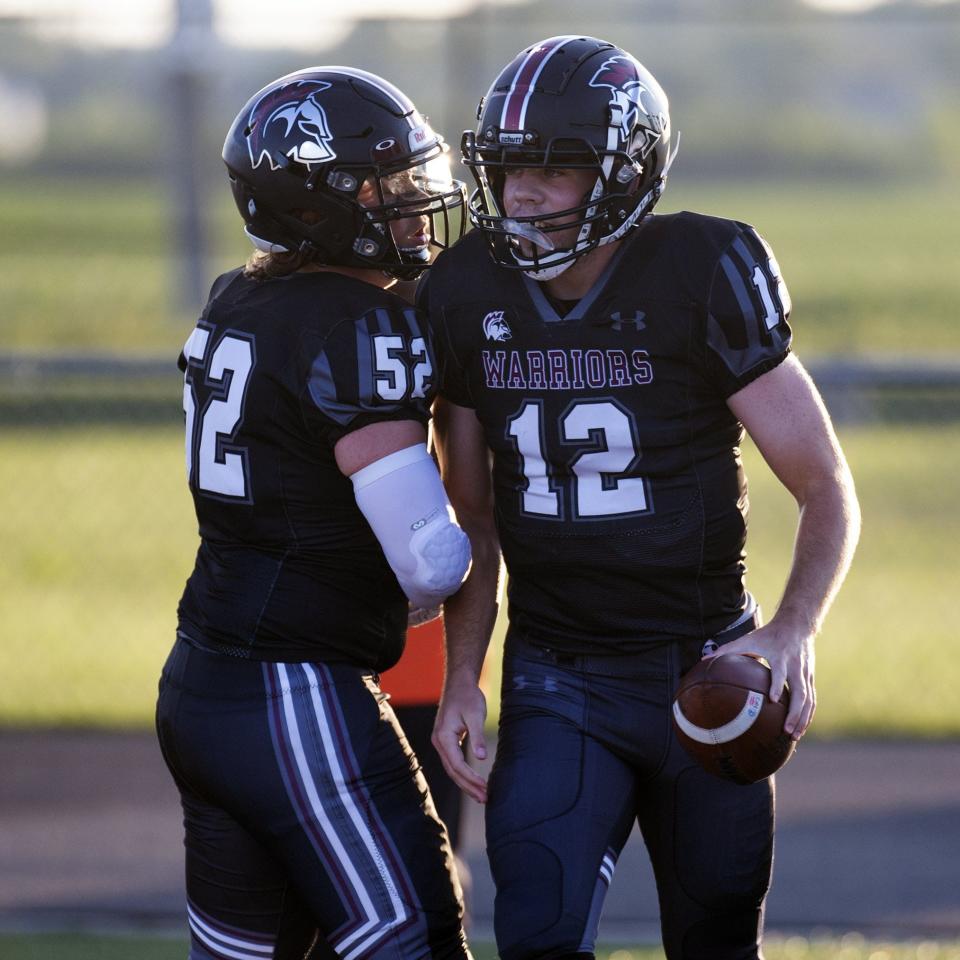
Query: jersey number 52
point(393, 382)
point(214, 466)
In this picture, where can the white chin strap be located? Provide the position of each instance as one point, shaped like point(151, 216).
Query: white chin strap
point(546, 267)
point(546, 273)
point(547, 270)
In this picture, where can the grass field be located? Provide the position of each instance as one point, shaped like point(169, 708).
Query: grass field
point(851, 947)
point(97, 528)
point(99, 536)
point(871, 268)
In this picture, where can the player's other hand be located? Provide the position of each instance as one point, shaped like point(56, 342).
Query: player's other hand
point(460, 717)
point(790, 653)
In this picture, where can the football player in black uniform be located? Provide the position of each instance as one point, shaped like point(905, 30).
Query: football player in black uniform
point(309, 828)
point(610, 359)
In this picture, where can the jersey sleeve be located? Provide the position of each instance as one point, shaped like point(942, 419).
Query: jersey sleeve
point(376, 368)
point(452, 381)
point(748, 311)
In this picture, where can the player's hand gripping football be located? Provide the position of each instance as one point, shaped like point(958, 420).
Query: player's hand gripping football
point(460, 717)
point(790, 653)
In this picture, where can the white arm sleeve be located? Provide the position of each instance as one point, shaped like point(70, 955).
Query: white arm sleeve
point(403, 499)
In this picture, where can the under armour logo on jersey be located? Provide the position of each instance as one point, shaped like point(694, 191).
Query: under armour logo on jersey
point(495, 327)
point(636, 320)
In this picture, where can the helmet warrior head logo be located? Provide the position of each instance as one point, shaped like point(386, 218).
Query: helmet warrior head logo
point(619, 75)
point(495, 327)
point(289, 121)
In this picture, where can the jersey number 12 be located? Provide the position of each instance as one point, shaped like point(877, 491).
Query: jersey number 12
point(599, 489)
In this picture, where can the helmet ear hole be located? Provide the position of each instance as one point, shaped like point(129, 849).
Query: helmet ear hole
point(310, 217)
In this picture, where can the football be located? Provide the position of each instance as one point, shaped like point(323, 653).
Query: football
point(726, 721)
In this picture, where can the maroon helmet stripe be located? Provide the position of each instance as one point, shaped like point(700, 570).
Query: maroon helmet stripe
point(514, 107)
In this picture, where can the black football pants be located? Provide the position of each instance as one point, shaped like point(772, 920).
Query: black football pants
point(307, 820)
point(585, 748)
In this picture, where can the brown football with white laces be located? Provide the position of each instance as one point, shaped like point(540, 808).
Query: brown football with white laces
point(724, 718)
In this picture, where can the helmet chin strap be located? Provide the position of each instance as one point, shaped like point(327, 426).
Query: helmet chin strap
point(582, 244)
point(537, 237)
point(648, 200)
point(547, 273)
point(551, 270)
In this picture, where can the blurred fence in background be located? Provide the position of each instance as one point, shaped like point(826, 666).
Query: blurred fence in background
point(62, 389)
point(838, 136)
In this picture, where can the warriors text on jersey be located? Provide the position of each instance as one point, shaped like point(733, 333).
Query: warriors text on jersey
point(621, 500)
point(275, 374)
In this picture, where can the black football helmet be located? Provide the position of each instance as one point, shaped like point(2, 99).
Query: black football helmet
point(322, 160)
point(569, 102)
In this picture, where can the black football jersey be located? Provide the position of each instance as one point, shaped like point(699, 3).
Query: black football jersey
point(620, 496)
point(276, 373)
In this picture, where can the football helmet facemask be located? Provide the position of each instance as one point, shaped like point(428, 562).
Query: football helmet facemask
point(338, 165)
point(574, 102)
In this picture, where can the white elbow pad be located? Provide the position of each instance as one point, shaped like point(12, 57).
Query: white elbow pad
point(403, 500)
point(442, 552)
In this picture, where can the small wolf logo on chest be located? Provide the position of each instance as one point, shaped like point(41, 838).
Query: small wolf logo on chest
point(495, 327)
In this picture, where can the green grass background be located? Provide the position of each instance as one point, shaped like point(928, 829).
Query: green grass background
point(99, 537)
point(871, 267)
point(97, 530)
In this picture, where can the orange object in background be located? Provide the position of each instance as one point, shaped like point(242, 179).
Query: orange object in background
point(414, 685)
point(418, 677)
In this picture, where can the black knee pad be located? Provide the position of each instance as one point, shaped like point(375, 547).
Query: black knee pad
point(724, 841)
point(712, 906)
point(525, 928)
point(530, 922)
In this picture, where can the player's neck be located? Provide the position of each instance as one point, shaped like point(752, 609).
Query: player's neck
point(575, 282)
point(375, 277)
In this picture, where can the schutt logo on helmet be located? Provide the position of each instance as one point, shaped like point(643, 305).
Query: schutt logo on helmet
point(290, 121)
